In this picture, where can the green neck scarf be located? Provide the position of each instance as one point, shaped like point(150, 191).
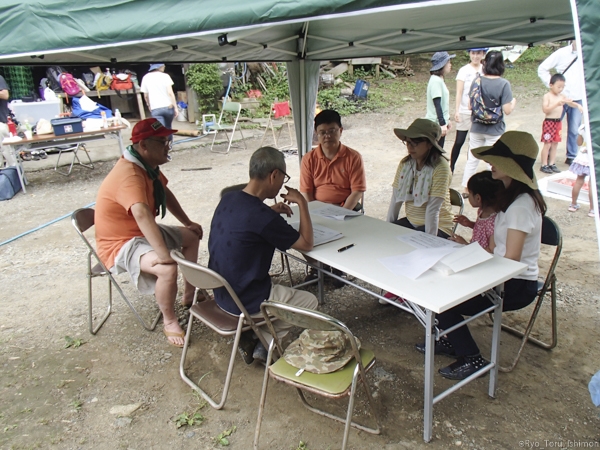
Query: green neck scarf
point(160, 196)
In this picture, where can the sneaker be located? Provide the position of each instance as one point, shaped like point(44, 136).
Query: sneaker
point(554, 169)
point(442, 347)
point(591, 213)
point(312, 275)
point(573, 207)
point(247, 346)
point(546, 169)
point(463, 367)
point(260, 353)
point(569, 161)
point(337, 283)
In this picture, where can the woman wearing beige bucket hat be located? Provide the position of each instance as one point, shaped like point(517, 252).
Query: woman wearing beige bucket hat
point(517, 236)
point(422, 181)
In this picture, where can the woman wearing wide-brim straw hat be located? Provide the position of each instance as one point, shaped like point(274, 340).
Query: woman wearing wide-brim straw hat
point(517, 236)
point(422, 181)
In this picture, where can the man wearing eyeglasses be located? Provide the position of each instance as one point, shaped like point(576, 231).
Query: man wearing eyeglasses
point(127, 235)
point(332, 173)
point(244, 234)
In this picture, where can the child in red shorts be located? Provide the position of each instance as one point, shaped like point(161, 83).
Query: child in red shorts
point(551, 130)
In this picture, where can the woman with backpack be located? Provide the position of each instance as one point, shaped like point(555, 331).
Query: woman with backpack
point(490, 100)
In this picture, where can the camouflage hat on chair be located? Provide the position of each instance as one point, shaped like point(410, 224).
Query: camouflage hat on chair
point(320, 351)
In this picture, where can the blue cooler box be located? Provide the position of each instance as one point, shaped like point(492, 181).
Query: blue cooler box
point(68, 125)
point(361, 89)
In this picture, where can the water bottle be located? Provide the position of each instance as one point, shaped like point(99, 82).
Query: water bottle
point(118, 116)
point(12, 128)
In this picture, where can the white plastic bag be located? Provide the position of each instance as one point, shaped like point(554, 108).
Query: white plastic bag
point(594, 388)
point(49, 94)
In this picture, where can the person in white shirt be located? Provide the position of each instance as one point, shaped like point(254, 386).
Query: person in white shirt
point(517, 236)
point(157, 87)
point(566, 62)
point(462, 115)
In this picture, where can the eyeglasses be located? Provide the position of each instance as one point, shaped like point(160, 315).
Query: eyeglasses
point(166, 143)
point(286, 177)
point(330, 132)
point(414, 143)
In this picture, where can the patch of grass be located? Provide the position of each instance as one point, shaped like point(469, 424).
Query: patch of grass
point(76, 404)
point(73, 342)
point(9, 427)
point(221, 439)
point(188, 419)
point(301, 446)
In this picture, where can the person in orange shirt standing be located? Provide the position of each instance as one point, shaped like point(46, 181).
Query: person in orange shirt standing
point(127, 235)
point(332, 172)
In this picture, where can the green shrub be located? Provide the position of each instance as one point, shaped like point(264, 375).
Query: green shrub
point(205, 80)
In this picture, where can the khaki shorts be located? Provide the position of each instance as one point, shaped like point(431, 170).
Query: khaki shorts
point(128, 258)
point(465, 122)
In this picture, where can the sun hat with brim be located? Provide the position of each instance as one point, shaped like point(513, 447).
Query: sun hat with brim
point(439, 60)
point(319, 351)
point(421, 128)
point(148, 128)
point(513, 154)
point(155, 66)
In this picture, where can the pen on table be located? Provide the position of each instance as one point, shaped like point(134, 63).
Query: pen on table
point(345, 248)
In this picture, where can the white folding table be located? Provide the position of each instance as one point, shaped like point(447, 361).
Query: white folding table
point(430, 294)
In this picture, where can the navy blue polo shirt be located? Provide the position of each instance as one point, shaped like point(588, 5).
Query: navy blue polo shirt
point(244, 234)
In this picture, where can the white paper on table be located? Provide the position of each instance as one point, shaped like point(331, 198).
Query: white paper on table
point(413, 264)
point(421, 240)
point(334, 212)
point(321, 234)
point(463, 258)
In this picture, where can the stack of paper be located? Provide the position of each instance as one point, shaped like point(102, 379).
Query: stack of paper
point(321, 234)
point(334, 212)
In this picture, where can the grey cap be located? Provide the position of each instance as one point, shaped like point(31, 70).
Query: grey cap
point(439, 60)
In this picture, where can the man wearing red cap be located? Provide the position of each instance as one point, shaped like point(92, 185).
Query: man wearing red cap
point(127, 235)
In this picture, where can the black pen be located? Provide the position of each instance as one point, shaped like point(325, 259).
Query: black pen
point(345, 248)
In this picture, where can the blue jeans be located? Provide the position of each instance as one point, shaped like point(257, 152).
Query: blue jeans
point(573, 123)
point(164, 116)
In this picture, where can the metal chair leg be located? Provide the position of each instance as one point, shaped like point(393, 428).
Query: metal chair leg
point(94, 330)
point(197, 388)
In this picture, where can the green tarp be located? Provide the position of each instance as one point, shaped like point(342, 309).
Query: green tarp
point(300, 32)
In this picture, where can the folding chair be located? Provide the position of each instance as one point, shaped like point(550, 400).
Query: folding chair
point(279, 117)
point(342, 383)
point(83, 220)
point(551, 236)
point(229, 107)
point(209, 313)
point(75, 147)
point(456, 200)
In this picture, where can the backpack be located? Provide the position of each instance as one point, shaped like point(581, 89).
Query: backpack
point(53, 75)
point(121, 81)
point(479, 111)
point(68, 84)
point(103, 83)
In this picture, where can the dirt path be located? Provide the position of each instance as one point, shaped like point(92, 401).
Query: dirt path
point(54, 397)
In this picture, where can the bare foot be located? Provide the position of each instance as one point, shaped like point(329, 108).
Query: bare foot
point(174, 334)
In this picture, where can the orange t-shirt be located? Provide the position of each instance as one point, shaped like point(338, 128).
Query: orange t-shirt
point(125, 185)
point(332, 181)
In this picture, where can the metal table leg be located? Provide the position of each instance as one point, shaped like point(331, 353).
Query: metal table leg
point(429, 353)
point(497, 300)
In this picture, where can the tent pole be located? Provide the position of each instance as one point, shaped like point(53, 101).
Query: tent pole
point(302, 146)
point(588, 132)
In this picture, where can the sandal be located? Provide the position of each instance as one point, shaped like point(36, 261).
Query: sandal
point(574, 207)
point(591, 213)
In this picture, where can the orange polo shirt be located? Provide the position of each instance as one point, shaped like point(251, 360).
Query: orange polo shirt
point(125, 185)
point(332, 181)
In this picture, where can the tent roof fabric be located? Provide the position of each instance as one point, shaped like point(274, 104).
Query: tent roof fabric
point(92, 32)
